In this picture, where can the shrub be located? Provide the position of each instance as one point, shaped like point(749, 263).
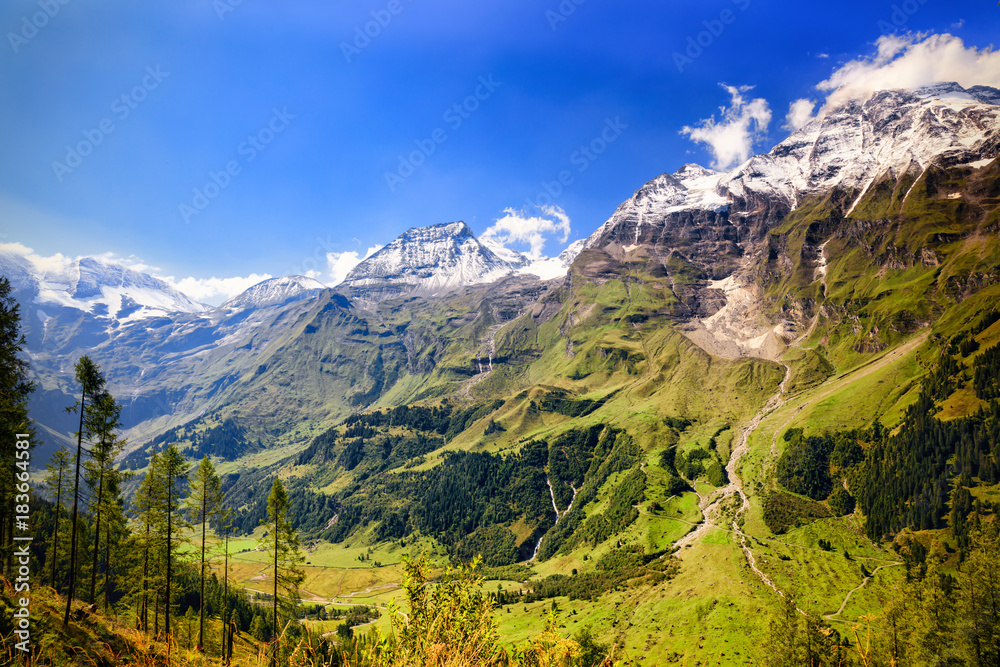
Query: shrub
point(841, 502)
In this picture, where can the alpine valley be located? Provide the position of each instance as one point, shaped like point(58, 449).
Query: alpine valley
point(745, 388)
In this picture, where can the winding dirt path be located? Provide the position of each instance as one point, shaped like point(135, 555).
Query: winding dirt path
point(847, 598)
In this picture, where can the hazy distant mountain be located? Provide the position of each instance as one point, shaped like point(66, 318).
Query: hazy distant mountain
point(102, 289)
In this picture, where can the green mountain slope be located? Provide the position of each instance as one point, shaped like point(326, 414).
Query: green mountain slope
point(604, 432)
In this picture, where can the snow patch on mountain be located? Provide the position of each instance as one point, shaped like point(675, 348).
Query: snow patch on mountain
point(567, 256)
point(690, 187)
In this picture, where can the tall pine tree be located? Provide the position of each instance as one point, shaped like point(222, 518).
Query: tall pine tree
point(149, 511)
point(91, 381)
point(175, 484)
point(205, 506)
point(15, 388)
point(56, 477)
point(226, 522)
point(282, 542)
point(103, 475)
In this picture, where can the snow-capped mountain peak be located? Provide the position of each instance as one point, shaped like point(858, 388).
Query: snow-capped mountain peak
point(274, 291)
point(943, 90)
point(853, 146)
point(427, 260)
point(850, 147)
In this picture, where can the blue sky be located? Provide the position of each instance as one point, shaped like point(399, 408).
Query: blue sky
point(226, 139)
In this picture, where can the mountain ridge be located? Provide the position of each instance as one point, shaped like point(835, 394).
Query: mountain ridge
point(687, 231)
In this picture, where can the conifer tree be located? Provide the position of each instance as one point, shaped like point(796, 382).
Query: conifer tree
point(282, 542)
point(934, 621)
point(979, 598)
point(102, 473)
point(56, 476)
point(149, 510)
point(227, 526)
point(116, 533)
point(91, 381)
point(175, 483)
point(783, 644)
point(15, 388)
point(205, 505)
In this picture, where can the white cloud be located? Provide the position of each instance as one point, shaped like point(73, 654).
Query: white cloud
point(16, 248)
point(517, 228)
point(799, 113)
point(131, 262)
point(911, 61)
point(341, 263)
point(215, 290)
point(56, 264)
point(823, 55)
point(731, 139)
point(958, 24)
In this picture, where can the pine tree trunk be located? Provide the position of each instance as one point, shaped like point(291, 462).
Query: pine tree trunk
point(107, 569)
point(145, 584)
point(274, 629)
point(166, 616)
point(201, 619)
point(226, 654)
point(97, 540)
point(76, 501)
point(55, 532)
